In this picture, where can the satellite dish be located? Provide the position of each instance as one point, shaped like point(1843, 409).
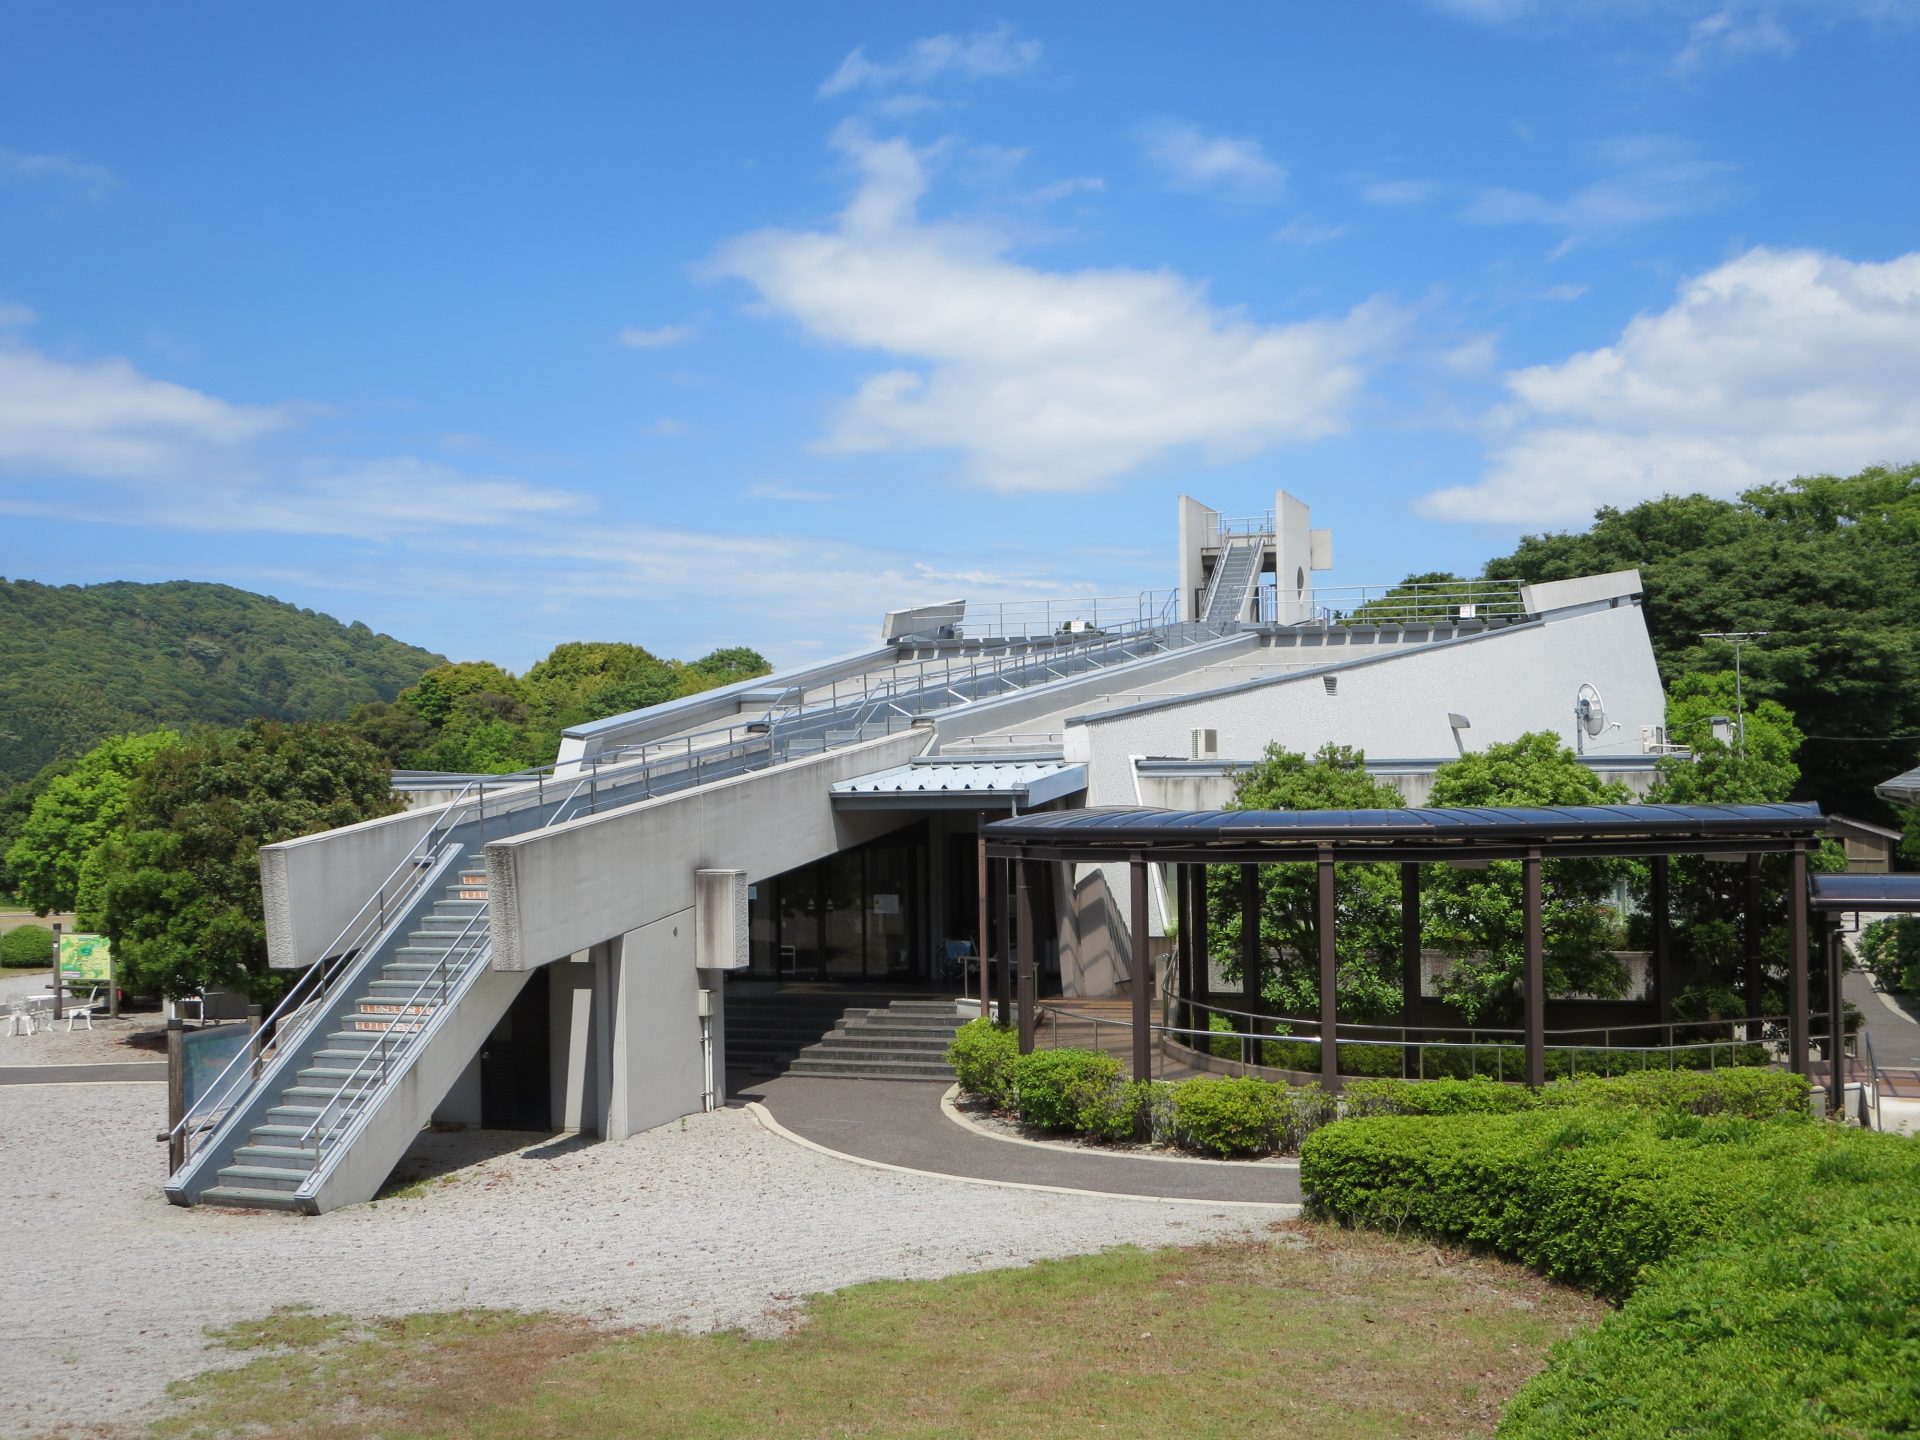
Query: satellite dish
point(1589, 713)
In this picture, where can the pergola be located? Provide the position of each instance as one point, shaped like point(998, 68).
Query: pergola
point(1189, 841)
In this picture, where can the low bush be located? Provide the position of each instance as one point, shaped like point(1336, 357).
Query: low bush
point(1767, 1269)
point(1225, 1117)
point(27, 946)
point(1890, 947)
point(1750, 1093)
point(1065, 1089)
point(982, 1055)
point(1436, 1097)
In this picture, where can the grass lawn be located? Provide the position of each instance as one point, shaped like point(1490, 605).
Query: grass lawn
point(1311, 1332)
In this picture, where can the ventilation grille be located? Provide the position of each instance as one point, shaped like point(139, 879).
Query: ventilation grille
point(1332, 682)
point(1206, 744)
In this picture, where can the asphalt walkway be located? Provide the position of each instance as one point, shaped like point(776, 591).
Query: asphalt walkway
point(898, 1122)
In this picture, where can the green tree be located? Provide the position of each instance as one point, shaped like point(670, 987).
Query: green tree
point(179, 890)
point(1475, 916)
point(435, 694)
point(74, 814)
point(1366, 897)
point(1824, 564)
point(1753, 769)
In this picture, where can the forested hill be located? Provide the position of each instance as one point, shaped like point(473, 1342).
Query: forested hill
point(81, 662)
point(1828, 566)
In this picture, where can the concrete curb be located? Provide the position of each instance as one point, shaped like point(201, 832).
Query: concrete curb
point(953, 1113)
point(1284, 1210)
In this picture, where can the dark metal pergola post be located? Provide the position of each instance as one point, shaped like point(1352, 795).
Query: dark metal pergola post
point(1028, 991)
point(1003, 982)
point(1202, 953)
point(1329, 972)
point(1750, 943)
point(1797, 961)
point(1250, 959)
point(1836, 948)
point(1183, 948)
point(982, 949)
point(1410, 986)
point(1535, 983)
point(1662, 917)
point(1142, 975)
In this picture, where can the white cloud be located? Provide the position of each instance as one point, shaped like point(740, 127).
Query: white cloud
point(1302, 231)
point(1043, 380)
point(659, 337)
point(666, 425)
point(1397, 192)
point(1777, 364)
point(1191, 159)
point(15, 317)
point(983, 55)
point(1649, 178)
point(1066, 189)
point(106, 419)
point(94, 181)
point(1731, 33)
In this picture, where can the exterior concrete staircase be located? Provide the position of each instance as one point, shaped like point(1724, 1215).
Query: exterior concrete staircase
point(1233, 580)
point(906, 1040)
point(333, 1111)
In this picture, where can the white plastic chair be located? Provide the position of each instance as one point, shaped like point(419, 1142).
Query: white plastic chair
point(84, 1010)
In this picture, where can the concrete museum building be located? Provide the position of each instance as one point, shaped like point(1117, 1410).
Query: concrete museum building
point(577, 949)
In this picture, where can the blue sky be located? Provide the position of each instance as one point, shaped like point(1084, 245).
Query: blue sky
point(495, 326)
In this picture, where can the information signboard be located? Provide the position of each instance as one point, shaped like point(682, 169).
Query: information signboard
point(86, 959)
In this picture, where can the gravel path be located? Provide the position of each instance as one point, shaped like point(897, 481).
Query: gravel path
point(107, 1042)
point(714, 1223)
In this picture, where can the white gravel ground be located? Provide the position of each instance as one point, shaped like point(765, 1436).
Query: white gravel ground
point(108, 1289)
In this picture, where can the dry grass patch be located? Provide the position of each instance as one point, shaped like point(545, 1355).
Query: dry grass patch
point(1310, 1331)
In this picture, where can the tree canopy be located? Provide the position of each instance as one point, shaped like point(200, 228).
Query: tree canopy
point(73, 815)
point(1825, 564)
point(1366, 897)
point(79, 663)
point(177, 887)
point(476, 718)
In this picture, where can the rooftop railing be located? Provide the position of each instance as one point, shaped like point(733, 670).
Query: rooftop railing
point(1426, 603)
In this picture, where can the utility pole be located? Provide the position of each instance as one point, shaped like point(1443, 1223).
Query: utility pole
point(1737, 638)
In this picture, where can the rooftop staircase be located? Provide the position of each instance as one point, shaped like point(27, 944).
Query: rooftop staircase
point(1234, 580)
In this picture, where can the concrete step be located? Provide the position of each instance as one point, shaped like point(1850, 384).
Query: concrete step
point(864, 1070)
point(898, 1025)
point(905, 1050)
point(335, 1078)
point(263, 1177)
point(284, 1157)
point(247, 1198)
point(280, 1132)
point(289, 1118)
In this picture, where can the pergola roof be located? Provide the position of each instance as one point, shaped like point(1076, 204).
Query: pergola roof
point(1883, 893)
point(1409, 834)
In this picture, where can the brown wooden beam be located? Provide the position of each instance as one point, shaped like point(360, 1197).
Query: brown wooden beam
point(1003, 948)
point(1750, 944)
point(982, 948)
point(1535, 981)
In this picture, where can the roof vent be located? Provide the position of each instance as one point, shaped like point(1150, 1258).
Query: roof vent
point(1332, 682)
point(1206, 744)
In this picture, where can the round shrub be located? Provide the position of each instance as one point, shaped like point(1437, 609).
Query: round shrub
point(982, 1055)
point(1230, 1117)
point(27, 947)
point(1064, 1089)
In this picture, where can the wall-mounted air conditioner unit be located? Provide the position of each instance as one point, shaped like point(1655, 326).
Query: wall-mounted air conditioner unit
point(1206, 744)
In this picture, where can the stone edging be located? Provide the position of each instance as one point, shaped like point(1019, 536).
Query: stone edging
point(760, 1113)
point(953, 1113)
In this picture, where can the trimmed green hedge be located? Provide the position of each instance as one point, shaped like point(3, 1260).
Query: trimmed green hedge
point(982, 1055)
point(27, 947)
point(1768, 1270)
point(1245, 1117)
point(1754, 1094)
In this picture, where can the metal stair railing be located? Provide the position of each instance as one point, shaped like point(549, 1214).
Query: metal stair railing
point(348, 1101)
point(310, 997)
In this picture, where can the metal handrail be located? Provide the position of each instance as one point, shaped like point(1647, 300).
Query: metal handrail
point(436, 978)
point(300, 1008)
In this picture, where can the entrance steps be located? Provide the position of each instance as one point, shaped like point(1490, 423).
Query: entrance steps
point(906, 1040)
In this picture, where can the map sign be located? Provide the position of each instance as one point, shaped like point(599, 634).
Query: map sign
point(87, 959)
